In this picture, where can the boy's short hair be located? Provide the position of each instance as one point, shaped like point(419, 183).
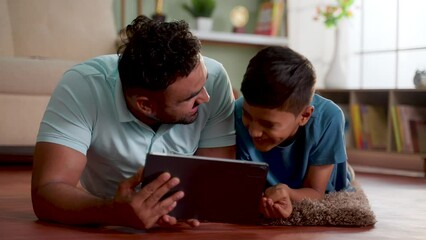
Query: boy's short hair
point(278, 77)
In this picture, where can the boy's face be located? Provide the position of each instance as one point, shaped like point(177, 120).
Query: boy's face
point(270, 127)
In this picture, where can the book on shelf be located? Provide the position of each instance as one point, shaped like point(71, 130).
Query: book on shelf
point(418, 135)
point(369, 126)
point(270, 17)
point(411, 121)
point(356, 126)
point(374, 125)
point(395, 128)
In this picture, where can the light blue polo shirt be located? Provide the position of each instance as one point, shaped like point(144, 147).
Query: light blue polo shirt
point(87, 112)
point(320, 142)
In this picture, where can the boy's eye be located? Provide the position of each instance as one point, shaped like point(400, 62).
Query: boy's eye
point(267, 125)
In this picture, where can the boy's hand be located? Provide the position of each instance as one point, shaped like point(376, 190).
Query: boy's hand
point(276, 202)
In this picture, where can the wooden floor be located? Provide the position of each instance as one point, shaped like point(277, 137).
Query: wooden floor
point(398, 202)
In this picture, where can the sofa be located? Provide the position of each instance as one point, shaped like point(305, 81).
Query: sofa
point(39, 40)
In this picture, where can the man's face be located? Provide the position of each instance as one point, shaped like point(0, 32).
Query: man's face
point(180, 101)
point(269, 127)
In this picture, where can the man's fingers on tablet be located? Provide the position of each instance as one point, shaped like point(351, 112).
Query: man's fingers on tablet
point(193, 222)
point(153, 186)
point(155, 197)
point(166, 221)
point(164, 209)
point(169, 203)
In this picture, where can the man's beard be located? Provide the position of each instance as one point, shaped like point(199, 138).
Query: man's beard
point(188, 119)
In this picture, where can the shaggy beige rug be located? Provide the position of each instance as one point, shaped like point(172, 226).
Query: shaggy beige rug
point(336, 209)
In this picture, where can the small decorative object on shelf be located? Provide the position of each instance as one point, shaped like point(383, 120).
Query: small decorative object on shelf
point(420, 79)
point(202, 11)
point(159, 15)
point(239, 17)
point(333, 16)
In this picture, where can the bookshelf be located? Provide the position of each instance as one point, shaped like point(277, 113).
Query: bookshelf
point(385, 156)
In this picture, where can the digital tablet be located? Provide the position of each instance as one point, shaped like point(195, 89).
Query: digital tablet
point(216, 189)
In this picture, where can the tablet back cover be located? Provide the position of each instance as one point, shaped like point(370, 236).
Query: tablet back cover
point(216, 190)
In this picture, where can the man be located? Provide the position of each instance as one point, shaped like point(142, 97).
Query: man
point(158, 95)
point(280, 121)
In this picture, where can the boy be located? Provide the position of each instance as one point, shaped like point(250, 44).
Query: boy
point(280, 121)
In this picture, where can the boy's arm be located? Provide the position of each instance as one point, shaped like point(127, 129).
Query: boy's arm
point(315, 183)
point(314, 186)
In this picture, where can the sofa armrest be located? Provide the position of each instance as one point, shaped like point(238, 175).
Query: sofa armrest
point(31, 76)
point(25, 88)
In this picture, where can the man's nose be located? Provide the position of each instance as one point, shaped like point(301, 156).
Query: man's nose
point(203, 97)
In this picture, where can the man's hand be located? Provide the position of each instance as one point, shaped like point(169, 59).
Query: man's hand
point(167, 221)
point(56, 196)
point(143, 209)
point(276, 202)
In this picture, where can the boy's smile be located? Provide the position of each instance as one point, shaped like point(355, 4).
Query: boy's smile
point(270, 127)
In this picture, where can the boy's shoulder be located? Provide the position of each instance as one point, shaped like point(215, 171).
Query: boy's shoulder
point(238, 108)
point(324, 105)
point(325, 112)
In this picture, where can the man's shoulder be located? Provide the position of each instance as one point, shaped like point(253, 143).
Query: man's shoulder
point(218, 80)
point(103, 64)
point(211, 61)
point(213, 66)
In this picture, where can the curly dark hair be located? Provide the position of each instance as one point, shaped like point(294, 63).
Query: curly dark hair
point(155, 53)
point(278, 77)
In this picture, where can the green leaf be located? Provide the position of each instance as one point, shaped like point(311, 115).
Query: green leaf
point(200, 8)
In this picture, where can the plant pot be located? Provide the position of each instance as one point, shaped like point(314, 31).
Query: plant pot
point(204, 24)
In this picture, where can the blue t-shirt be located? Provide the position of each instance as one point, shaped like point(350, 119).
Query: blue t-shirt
point(320, 142)
point(87, 112)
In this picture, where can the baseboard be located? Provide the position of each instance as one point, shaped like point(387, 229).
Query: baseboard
point(16, 155)
point(387, 163)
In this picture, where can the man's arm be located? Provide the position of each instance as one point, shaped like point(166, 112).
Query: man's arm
point(56, 197)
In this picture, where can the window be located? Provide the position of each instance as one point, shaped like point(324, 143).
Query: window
point(392, 42)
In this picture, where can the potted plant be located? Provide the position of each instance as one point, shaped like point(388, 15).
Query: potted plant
point(202, 11)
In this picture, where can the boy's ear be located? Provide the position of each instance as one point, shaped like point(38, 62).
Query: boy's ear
point(306, 115)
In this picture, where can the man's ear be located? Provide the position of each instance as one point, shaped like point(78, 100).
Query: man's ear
point(306, 115)
point(144, 104)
